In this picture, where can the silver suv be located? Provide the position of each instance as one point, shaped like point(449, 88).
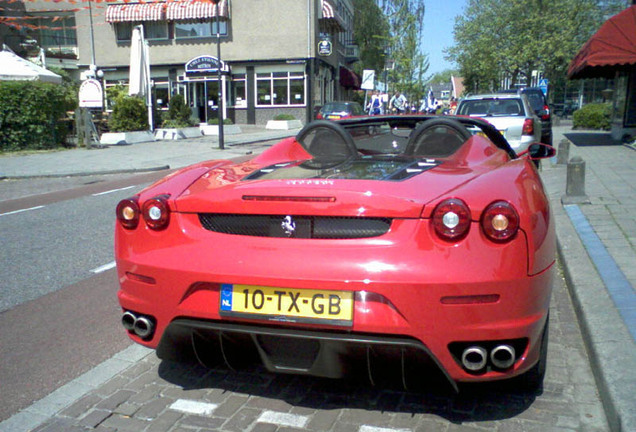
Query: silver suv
point(511, 114)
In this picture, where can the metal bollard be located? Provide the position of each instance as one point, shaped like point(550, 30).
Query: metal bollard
point(563, 153)
point(575, 182)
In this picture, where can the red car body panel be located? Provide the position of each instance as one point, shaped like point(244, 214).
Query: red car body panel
point(407, 282)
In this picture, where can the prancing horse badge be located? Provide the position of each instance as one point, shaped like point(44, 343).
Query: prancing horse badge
point(288, 225)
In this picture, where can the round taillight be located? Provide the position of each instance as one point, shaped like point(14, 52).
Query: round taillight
point(128, 213)
point(500, 221)
point(156, 213)
point(451, 219)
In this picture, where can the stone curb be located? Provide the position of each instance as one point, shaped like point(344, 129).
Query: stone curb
point(613, 361)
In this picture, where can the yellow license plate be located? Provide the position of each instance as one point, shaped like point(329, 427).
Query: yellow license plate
point(333, 117)
point(287, 304)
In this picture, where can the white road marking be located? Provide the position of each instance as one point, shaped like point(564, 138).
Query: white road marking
point(193, 407)
point(103, 268)
point(113, 190)
point(365, 428)
point(20, 211)
point(283, 419)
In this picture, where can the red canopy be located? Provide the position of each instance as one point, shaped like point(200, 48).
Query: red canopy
point(611, 48)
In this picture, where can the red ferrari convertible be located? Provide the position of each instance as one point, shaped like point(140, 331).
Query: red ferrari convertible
point(396, 247)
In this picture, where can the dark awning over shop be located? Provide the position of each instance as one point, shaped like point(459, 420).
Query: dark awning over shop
point(135, 12)
point(611, 48)
point(195, 9)
point(349, 79)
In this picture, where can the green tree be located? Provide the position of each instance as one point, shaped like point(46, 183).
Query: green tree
point(442, 77)
point(494, 38)
point(406, 21)
point(371, 33)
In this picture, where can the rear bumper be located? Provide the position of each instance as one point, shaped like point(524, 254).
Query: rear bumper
point(380, 360)
point(412, 297)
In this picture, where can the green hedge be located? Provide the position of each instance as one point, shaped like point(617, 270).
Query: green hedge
point(593, 116)
point(284, 117)
point(30, 113)
point(129, 114)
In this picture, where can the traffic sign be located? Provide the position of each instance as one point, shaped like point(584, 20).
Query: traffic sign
point(543, 85)
point(368, 76)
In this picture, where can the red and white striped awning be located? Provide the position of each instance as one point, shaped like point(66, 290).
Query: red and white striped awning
point(195, 9)
point(327, 10)
point(136, 12)
point(330, 16)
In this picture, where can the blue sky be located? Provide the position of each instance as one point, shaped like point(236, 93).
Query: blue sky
point(439, 19)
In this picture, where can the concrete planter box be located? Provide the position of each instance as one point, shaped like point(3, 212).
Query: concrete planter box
point(207, 129)
point(177, 133)
point(284, 124)
point(113, 138)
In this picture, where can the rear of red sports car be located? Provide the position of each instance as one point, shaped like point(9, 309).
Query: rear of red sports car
point(385, 256)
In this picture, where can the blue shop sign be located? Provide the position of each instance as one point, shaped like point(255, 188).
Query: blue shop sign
point(205, 65)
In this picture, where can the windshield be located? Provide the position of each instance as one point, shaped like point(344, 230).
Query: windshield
point(491, 107)
point(336, 107)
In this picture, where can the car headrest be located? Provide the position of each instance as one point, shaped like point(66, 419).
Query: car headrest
point(438, 137)
point(325, 139)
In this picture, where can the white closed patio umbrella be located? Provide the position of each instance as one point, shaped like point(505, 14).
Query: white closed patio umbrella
point(139, 80)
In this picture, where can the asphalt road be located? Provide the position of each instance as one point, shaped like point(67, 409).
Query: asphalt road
point(60, 318)
point(59, 315)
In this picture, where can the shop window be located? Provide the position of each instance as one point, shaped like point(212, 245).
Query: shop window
point(153, 30)
point(238, 92)
point(280, 88)
point(161, 94)
point(193, 30)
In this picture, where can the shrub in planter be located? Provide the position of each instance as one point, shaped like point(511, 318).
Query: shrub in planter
point(129, 114)
point(284, 117)
point(30, 113)
point(178, 115)
point(593, 116)
point(215, 121)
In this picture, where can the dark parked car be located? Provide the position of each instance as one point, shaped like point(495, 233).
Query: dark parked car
point(541, 108)
point(339, 110)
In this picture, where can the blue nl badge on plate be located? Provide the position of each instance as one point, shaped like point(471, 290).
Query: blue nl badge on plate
point(226, 297)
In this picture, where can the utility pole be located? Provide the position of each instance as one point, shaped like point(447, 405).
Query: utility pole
point(220, 82)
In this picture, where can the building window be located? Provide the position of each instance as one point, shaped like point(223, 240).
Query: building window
point(238, 92)
point(153, 30)
point(55, 32)
point(280, 88)
point(192, 30)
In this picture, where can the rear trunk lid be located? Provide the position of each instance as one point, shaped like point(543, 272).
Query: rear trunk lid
point(366, 187)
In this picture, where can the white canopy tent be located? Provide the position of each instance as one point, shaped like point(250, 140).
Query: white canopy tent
point(14, 67)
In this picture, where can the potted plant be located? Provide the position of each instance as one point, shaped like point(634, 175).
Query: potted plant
point(212, 127)
point(284, 121)
point(128, 122)
point(178, 123)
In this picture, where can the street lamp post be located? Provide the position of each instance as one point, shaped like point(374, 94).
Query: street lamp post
point(220, 83)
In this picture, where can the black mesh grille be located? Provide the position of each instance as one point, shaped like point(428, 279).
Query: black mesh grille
point(317, 227)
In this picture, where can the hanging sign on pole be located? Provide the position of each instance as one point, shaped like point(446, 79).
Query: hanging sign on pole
point(368, 78)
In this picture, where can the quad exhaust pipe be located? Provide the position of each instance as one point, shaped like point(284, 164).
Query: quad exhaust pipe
point(502, 356)
point(475, 357)
point(140, 325)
